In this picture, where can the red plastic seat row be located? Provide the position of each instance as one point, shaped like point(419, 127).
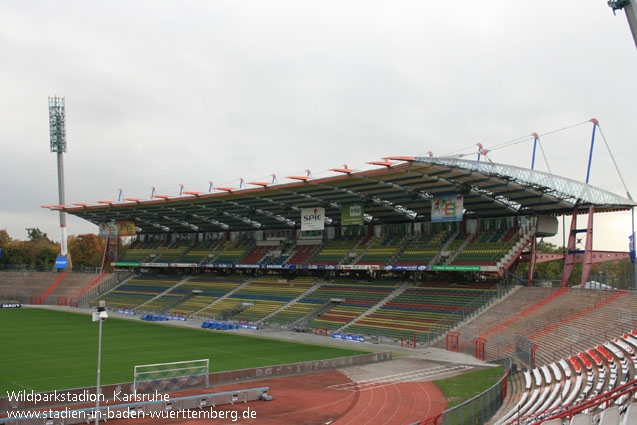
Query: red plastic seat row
point(576, 365)
point(604, 352)
point(587, 363)
point(595, 357)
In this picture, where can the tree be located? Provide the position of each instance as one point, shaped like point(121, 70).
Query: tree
point(4, 238)
point(86, 250)
point(550, 270)
point(36, 234)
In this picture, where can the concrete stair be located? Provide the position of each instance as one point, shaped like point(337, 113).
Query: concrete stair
point(243, 285)
point(307, 292)
point(382, 302)
point(162, 294)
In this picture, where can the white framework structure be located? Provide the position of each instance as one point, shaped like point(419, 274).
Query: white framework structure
point(179, 374)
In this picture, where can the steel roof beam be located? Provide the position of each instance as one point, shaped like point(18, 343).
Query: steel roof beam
point(241, 218)
point(156, 225)
point(380, 201)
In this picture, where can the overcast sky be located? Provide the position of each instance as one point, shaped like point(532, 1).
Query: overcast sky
point(162, 93)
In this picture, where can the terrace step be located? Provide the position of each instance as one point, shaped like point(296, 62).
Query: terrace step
point(102, 294)
point(238, 308)
point(436, 259)
point(382, 302)
point(370, 243)
point(458, 251)
point(239, 287)
point(303, 321)
point(515, 251)
point(162, 294)
point(178, 302)
point(348, 256)
point(51, 288)
point(284, 306)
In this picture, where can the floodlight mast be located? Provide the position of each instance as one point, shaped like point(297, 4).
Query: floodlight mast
point(57, 131)
point(630, 8)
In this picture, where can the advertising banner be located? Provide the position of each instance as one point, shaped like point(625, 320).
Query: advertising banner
point(107, 229)
point(447, 208)
point(61, 262)
point(312, 219)
point(406, 268)
point(352, 215)
point(348, 337)
point(126, 228)
point(456, 268)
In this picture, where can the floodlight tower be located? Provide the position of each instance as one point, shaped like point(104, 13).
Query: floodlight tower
point(630, 7)
point(57, 131)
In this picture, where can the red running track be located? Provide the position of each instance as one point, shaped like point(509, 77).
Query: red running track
point(307, 400)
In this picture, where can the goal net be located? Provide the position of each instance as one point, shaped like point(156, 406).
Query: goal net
point(175, 376)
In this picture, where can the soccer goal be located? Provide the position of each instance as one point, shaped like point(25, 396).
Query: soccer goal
point(175, 376)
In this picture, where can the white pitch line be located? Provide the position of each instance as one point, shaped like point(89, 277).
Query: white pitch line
point(23, 386)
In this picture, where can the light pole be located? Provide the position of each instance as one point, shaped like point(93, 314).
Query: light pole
point(99, 316)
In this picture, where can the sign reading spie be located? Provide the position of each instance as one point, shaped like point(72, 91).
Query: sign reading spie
point(447, 208)
point(312, 219)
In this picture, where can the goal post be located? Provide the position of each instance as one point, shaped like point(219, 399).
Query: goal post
point(172, 376)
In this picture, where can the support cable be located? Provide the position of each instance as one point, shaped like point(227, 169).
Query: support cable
point(516, 140)
point(614, 162)
point(544, 156)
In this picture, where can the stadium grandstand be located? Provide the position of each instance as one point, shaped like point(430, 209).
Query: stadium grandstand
point(418, 251)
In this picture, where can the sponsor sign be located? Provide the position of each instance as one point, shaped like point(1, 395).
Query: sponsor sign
point(126, 228)
point(631, 247)
point(244, 326)
point(456, 268)
point(348, 337)
point(447, 208)
point(312, 219)
point(111, 229)
point(152, 264)
point(405, 268)
point(352, 215)
point(320, 267)
point(360, 267)
point(10, 305)
point(222, 265)
point(126, 264)
point(184, 265)
point(107, 229)
point(61, 262)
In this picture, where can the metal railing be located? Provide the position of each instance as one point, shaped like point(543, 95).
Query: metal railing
point(102, 287)
point(29, 268)
point(500, 346)
point(479, 409)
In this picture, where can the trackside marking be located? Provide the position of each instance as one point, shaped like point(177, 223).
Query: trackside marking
point(384, 381)
point(383, 378)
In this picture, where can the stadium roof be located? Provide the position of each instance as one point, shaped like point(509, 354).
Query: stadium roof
point(396, 192)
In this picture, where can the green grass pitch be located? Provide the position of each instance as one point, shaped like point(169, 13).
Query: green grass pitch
point(44, 350)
